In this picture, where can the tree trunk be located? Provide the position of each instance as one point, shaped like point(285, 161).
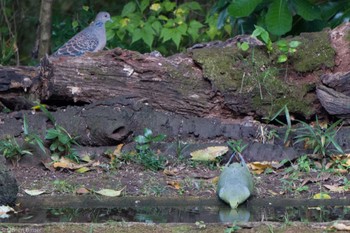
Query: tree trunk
point(44, 36)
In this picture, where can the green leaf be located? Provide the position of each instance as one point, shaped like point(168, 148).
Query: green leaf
point(53, 146)
point(159, 138)
point(244, 46)
point(191, 5)
point(110, 34)
point(307, 10)
point(169, 6)
point(294, 43)
point(75, 24)
point(144, 4)
point(86, 8)
point(51, 134)
point(279, 18)
point(25, 125)
point(157, 26)
point(63, 138)
point(128, 9)
point(282, 58)
point(147, 132)
point(140, 139)
point(193, 29)
point(242, 8)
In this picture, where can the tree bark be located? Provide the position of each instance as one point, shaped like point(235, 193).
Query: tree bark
point(44, 36)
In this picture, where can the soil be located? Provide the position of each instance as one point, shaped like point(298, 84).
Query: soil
point(180, 178)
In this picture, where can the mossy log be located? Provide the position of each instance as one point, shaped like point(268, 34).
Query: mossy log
point(218, 80)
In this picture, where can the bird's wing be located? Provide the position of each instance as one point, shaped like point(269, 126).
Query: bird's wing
point(85, 41)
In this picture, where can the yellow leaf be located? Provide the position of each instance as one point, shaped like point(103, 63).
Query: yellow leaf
point(82, 169)
point(65, 163)
point(321, 196)
point(215, 180)
point(110, 192)
point(175, 184)
point(259, 167)
point(209, 153)
point(34, 192)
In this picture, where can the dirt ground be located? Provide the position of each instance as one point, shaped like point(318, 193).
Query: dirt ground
point(178, 179)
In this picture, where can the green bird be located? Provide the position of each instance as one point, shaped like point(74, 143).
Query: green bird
point(235, 184)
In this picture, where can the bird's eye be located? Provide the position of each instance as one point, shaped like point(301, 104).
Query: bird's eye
point(106, 16)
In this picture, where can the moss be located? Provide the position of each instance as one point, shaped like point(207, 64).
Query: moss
point(228, 73)
point(314, 52)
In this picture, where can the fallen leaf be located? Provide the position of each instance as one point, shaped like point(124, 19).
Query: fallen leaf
point(82, 191)
point(340, 227)
point(259, 167)
point(209, 153)
point(272, 192)
point(4, 210)
point(335, 188)
point(82, 169)
point(65, 163)
point(175, 184)
point(321, 196)
point(215, 180)
point(34, 192)
point(169, 172)
point(110, 192)
point(86, 158)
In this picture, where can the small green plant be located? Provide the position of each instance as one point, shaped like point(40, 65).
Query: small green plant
point(61, 143)
point(32, 138)
point(233, 228)
point(286, 49)
point(11, 150)
point(288, 123)
point(145, 155)
point(319, 138)
point(63, 186)
point(304, 163)
point(200, 224)
point(237, 146)
point(264, 36)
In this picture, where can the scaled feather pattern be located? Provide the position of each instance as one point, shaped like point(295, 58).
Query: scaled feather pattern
point(91, 39)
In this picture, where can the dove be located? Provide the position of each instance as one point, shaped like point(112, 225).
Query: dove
point(91, 39)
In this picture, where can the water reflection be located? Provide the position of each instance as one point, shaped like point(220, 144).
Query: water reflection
point(179, 212)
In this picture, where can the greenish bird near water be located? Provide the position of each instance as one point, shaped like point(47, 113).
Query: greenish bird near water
point(235, 184)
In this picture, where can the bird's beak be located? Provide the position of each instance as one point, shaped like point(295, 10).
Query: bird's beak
point(110, 20)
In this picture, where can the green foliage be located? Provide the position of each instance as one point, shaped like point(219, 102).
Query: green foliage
point(319, 138)
point(61, 141)
point(164, 26)
point(286, 49)
point(145, 155)
point(32, 138)
point(283, 16)
point(10, 149)
point(63, 186)
point(264, 36)
point(288, 121)
point(237, 146)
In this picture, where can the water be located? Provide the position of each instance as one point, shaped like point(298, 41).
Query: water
point(187, 210)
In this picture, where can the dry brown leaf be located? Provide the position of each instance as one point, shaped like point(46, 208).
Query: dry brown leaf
point(272, 192)
point(82, 191)
point(340, 227)
point(169, 172)
point(335, 188)
point(174, 184)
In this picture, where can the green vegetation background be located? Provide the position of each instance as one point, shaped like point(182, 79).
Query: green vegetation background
point(166, 26)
